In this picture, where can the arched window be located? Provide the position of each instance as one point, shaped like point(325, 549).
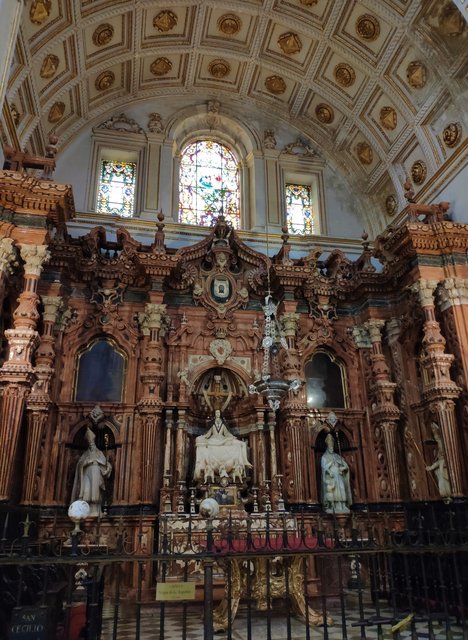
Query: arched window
point(208, 184)
point(325, 382)
point(100, 372)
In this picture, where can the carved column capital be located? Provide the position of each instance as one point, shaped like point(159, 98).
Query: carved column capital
point(454, 292)
point(393, 328)
point(52, 305)
point(35, 257)
point(7, 255)
point(153, 318)
point(361, 337)
point(289, 322)
point(374, 327)
point(425, 290)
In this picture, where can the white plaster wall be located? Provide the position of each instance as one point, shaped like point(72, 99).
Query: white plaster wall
point(456, 192)
point(343, 218)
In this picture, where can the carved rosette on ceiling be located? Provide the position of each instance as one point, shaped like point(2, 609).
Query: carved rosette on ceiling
point(105, 80)
point(391, 205)
point(451, 21)
point(275, 84)
point(219, 68)
point(229, 24)
point(308, 3)
point(165, 21)
point(452, 134)
point(344, 74)
point(56, 112)
point(419, 172)
point(368, 27)
point(161, 66)
point(290, 43)
point(324, 113)
point(388, 118)
point(416, 74)
point(40, 11)
point(364, 153)
point(49, 66)
point(103, 34)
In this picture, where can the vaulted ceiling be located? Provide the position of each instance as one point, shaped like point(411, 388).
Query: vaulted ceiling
point(378, 86)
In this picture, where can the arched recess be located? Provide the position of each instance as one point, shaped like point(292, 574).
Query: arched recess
point(326, 384)
point(100, 372)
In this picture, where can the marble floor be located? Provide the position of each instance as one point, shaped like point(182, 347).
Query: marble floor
point(174, 627)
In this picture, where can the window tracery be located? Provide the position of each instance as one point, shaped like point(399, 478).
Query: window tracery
point(299, 209)
point(208, 184)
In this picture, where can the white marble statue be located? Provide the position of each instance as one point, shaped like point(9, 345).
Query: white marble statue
point(439, 466)
point(219, 452)
point(91, 470)
point(336, 488)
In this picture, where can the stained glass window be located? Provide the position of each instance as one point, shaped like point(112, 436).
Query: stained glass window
point(209, 184)
point(116, 193)
point(299, 210)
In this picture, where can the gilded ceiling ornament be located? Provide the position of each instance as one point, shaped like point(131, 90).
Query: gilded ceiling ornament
point(165, 21)
point(15, 114)
point(364, 153)
point(368, 27)
point(391, 205)
point(451, 21)
point(416, 74)
point(104, 81)
point(56, 112)
point(161, 66)
point(290, 43)
point(388, 117)
point(49, 66)
point(219, 68)
point(324, 113)
point(452, 134)
point(40, 11)
point(103, 34)
point(229, 24)
point(344, 74)
point(419, 172)
point(275, 84)
point(309, 3)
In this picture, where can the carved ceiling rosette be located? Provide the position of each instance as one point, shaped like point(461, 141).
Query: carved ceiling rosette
point(229, 24)
point(368, 27)
point(56, 112)
point(103, 34)
point(364, 153)
point(105, 80)
point(388, 118)
point(40, 11)
point(391, 205)
point(219, 68)
point(344, 74)
point(289, 43)
point(452, 134)
point(324, 113)
point(418, 172)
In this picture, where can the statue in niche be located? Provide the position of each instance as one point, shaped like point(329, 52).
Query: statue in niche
point(439, 466)
point(220, 453)
point(91, 471)
point(336, 487)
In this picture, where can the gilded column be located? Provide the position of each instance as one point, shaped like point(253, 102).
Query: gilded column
point(439, 390)
point(385, 413)
point(16, 375)
point(38, 402)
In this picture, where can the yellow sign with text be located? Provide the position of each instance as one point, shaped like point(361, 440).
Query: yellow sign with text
point(172, 591)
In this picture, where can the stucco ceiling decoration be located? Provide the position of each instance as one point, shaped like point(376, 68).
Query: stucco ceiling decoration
point(105, 80)
point(331, 72)
point(49, 66)
point(290, 43)
point(365, 153)
point(391, 205)
point(418, 172)
point(40, 11)
point(229, 24)
point(452, 134)
point(103, 34)
point(368, 27)
point(165, 21)
point(345, 74)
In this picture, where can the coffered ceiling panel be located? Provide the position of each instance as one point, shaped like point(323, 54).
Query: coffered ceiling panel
point(158, 71)
point(336, 74)
point(313, 13)
point(63, 112)
point(44, 21)
point(55, 69)
point(109, 84)
point(324, 114)
point(289, 47)
point(383, 118)
point(270, 86)
point(224, 71)
point(109, 38)
point(231, 30)
point(162, 27)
